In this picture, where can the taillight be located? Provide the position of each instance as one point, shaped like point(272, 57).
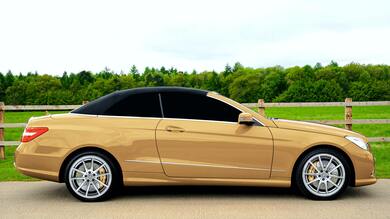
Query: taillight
point(31, 133)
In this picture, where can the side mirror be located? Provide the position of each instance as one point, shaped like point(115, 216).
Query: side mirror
point(245, 118)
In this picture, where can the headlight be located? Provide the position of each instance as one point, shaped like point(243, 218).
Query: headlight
point(358, 141)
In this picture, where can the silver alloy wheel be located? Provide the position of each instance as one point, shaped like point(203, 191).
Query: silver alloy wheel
point(90, 176)
point(323, 175)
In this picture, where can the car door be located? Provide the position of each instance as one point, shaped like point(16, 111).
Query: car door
point(199, 137)
point(132, 121)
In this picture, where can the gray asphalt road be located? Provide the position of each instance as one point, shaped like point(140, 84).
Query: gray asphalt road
point(48, 200)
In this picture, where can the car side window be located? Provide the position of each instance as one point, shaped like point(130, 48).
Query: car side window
point(196, 106)
point(138, 105)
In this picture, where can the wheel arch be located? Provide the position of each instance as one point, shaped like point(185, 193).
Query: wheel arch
point(331, 147)
point(61, 176)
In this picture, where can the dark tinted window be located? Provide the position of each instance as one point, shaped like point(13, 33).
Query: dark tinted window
point(141, 105)
point(194, 106)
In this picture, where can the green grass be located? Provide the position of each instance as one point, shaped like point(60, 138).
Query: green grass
point(337, 113)
point(328, 113)
point(7, 170)
point(381, 151)
point(14, 134)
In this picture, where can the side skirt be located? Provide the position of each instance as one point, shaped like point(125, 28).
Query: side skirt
point(157, 179)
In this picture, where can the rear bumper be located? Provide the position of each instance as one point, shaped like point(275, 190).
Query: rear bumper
point(40, 174)
point(29, 161)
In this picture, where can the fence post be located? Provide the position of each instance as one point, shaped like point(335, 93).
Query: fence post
point(2, 147)
point(261, 106)
point(348, 113)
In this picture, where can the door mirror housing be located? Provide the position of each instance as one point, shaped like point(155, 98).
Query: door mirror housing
point(245, 119)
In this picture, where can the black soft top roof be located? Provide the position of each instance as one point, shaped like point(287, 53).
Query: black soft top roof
point(100, 105)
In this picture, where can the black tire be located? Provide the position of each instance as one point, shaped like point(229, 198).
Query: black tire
point(306, 188)
point(114, 180)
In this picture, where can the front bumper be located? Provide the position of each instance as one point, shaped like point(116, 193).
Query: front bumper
point(364, 165)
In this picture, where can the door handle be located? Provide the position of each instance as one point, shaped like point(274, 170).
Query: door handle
point(174, 129)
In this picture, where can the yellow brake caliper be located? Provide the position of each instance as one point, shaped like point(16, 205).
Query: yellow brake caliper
point(311, 170)
point(102, 178)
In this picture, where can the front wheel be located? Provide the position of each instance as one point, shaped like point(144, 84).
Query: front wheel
point(91, 176)
point(322, 174)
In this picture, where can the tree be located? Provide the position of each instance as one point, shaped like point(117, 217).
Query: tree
point(321, 91)
point(374, 90)
point(246, 88)
point(317, 66)
point(228, 70)
point(65, 81)
point(237, 66)
point(9, 79)
point(133, 70)
point(153, 78)
point(85, 77)
point(274, 84)
point(2, 87)
point(244, 84)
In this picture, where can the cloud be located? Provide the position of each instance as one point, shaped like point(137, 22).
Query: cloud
point(56, 36)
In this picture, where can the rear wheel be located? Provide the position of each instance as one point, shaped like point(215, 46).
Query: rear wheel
point(91, 176)
point(322, 174)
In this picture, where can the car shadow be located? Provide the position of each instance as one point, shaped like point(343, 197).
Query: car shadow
point(204, 191)
point(224, 192)
point(201, 192)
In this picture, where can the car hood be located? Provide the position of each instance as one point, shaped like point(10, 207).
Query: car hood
point(314, 127)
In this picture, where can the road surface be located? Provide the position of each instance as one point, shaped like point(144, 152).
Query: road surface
point(48, 200)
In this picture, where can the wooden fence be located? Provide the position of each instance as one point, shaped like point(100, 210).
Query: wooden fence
point(347, 122)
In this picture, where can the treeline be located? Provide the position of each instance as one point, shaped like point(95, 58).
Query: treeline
point(244, 84)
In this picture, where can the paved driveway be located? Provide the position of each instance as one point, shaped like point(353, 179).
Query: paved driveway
point(49, 200)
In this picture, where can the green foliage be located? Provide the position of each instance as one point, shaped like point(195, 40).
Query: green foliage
point(302, 91)
point(274, 84)
point(370, 90)
point(246, 88)
point(244, 84)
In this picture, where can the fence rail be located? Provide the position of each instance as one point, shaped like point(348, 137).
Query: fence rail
point(261, 103)
point(353, 121)
point(40, 107)
point(348, 121)
point(250, 105)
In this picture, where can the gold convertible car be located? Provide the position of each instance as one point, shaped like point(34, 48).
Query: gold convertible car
point(182, 136)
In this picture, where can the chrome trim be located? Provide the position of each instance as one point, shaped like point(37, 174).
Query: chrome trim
point(81, 114)
point(200, 120)
point(161, 106)
point(138, 117)
point(198, 165)
point(144, 161)
point(123, 117)
point(215, 166)
point(278, 170)
point(262, 124)
point(234, 107)
point(225, 102)
point(127, 117)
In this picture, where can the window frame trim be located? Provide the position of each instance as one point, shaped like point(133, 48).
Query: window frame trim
point(257, 122)
point(159, 106)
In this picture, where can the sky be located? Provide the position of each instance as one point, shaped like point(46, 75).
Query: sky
point(51, 37)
